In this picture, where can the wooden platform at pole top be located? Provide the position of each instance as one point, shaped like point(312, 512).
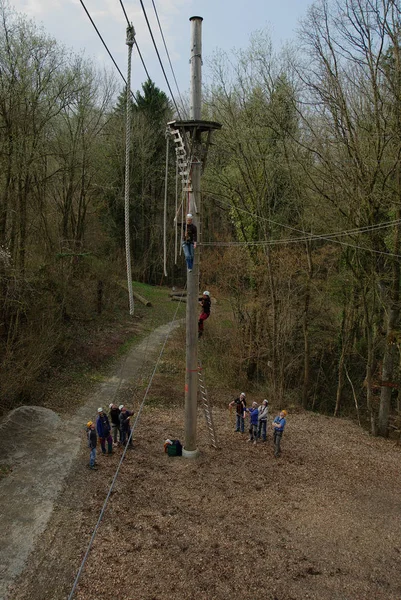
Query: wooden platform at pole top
point(202, 126)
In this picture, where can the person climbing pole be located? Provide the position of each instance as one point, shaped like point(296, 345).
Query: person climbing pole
point(189, 238)
point(205, 314)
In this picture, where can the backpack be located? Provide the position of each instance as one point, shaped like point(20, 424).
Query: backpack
point(174, 449)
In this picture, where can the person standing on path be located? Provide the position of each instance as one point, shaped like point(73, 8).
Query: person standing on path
point(189, 239)
point(103, 431)
point(240, 407)
point(278, 426)
point(92, 443)
point(125, 428)
point(115, 423)
point(253, 422)
point(205, 314)
point(262, 419)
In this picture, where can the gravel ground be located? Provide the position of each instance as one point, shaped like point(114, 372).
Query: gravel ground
point(321, 522)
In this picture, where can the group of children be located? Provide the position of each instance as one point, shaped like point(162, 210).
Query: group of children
point(113, 429)
point(116, 429)
point(258, 417)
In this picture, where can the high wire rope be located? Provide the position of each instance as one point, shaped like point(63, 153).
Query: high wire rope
point(136, 43)
point(103, 42)
point(309, 236)
point(160, 61)
point(317, 235)
point(125, 13)
point(143, 62)
point(314, 237)
point(297, 240)
point(78, 576)
point(167, 52)
point(108, 51)
point(130, 43)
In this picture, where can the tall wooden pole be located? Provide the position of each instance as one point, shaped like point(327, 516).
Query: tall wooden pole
point(191, 380)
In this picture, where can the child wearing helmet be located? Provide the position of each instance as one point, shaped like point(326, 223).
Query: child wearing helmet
point(189, 238)
point(253, 422)
point(205, 314)
point(92, 443)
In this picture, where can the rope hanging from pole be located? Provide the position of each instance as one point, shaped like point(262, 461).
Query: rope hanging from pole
point(165, 211)
point(176, 211)
point(130, 42)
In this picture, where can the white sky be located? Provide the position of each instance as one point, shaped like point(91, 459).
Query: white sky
point(226, 25)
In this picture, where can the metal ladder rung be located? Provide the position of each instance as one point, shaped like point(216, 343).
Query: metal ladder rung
point(206, 409)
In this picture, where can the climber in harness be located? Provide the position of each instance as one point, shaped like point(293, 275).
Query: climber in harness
point(205, 314)
point(189, 238)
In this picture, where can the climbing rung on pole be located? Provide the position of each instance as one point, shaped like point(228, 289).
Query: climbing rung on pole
point(206, 409)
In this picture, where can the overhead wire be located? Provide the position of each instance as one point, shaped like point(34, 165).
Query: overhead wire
point(80, 570)
point(143, 62)
point(167, 52)
point(103, 42)
point(107, 49)
point(135, 42)
point(310, 236)
point(160, 60)
point(125, 12)
point(297, 240)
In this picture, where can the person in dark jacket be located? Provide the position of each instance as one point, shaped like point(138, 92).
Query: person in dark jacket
point(92, 443)
point(115, 422)
point(125, 427)
point(103, 431)
point(240, 407)
point(205, 303)
point(189, 239)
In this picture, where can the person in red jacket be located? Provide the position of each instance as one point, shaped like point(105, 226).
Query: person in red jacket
point(205, 314)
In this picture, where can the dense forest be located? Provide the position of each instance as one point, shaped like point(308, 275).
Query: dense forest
point(300, 214)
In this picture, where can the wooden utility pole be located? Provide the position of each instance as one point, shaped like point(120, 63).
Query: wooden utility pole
point(191, 380)
point(191, 153)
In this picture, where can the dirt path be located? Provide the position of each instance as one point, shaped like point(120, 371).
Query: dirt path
point(41, 448)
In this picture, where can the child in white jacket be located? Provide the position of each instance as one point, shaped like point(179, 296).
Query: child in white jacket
point(262, 419)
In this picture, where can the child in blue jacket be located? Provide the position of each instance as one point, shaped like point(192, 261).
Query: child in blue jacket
point(278, 426)
point(253, 422)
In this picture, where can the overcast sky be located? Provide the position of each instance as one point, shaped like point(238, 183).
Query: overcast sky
point(226, 25)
